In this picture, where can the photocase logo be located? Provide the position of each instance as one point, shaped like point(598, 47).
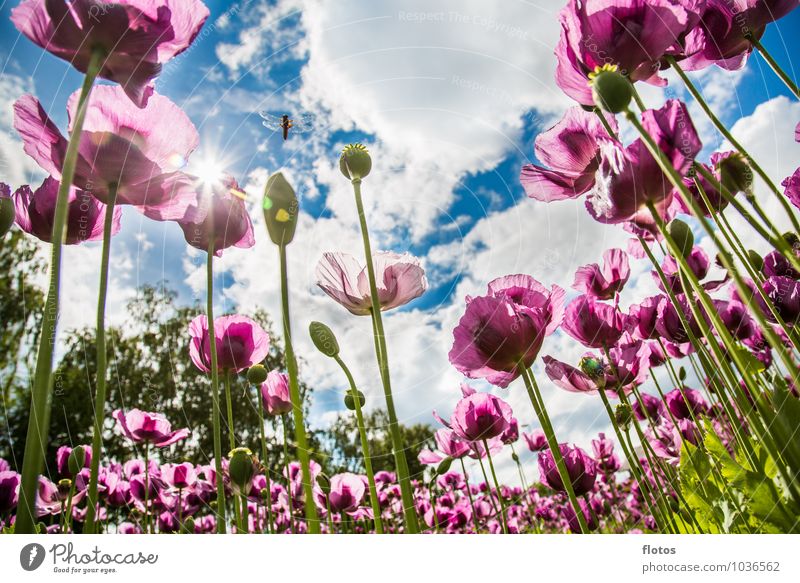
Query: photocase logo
point(31, 556)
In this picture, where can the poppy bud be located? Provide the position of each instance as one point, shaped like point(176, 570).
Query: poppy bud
point(355, 162)
point(241, 468)
point(188, 525)
point(623, 415)
point(280, 209)
point(682, 235)
point(611, 90)
point(515, 457)
point(350, 402)
point(444, 466)
point(682, 373)
point(755, 260)
point(7, 212)
point(76, 460)
point(735, 174)
point(324, 339)
point(324, 483)
point(256, 374)
point(791, 238)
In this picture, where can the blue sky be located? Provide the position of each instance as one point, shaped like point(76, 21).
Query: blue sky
point(449, 107)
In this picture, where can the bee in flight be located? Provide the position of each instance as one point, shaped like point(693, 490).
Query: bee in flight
point(283, 123)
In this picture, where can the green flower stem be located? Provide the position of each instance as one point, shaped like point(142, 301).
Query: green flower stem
point(544, 420)
point(264, 462)
point(733, 141)
point(496, 488)
point(362, 432)
point(226, 377)
point(41, 393)
point(148, 520)
point(777, 69)
point(312, 518)
point(68, 515)
point(215, 414)
point(102, 360)
point(409, 508)
point(469, 494)
point(288, 475)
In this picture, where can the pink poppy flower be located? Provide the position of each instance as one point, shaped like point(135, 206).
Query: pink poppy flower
point(535, 440)
point(9, 490)
point(138, 36)
point(568, 377)
point(35, 213)
point(275, 394)
point(241, 343)
point(143, 427)
point(480, 416)
point(138, 151)
point(605, 283)
point(399, 279)
point(572, 151)
point(791, 187)
point(503, 331)
point(179, 476)
point(594, 324)
point(634, 35)
point(448, 444)
point(581, 469)
point(347, 492)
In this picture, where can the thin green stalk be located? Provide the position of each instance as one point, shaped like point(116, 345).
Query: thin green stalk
point(496, 488)
point(148, 520)
point(776, 68)
point(288, 475)
point(544, 420)
point(41, 392)
point(215, 414)
point(409, 508)
point(312, 518)
point(733, 141)
point(226, 376)
point(102, 360)
point(264, 461)
point(469, 494)
point(362, 432)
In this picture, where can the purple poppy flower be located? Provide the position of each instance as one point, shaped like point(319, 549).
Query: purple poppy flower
point(572, 151)
point(217, 210)
point(536, 440)
point(137, 36)
point(568, 377)
point(480, 416)
point(698, 262)
point(241, 343)
point(143, 427)
point(179, 476)
point(275, 395)
point(669, 325)
point(723, 35)
point(633, 35)
point(511, 434)
point(504, 330)
point(399, 279)
point(9, 490)
point(35, 213)
point(581, 469)
point(62, 459)
point(594, 324)
point(686, 402)
point(630, 360)
point(645, 316)
point(137, 151)
point(784, 293)
point(775, 264)
point(634, 178)
point(649, 407)
point(605, 283)
point(791, 187)
point(717, 202)
point(347, 492)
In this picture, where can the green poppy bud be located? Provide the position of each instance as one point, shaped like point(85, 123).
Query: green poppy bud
point(735, 173)
point(324, 339)
point(280, 209)
point(682, 373)
point(623, 415)
point(355, 162)
point(256, 374)
point(682, 235)
point(241, 468)
point(611, 90)
point(515, 457)
point(755, 260)
point(792, 239)
point(76, 460)
point(324, 483)
point(350, 402)
point(7, 214)
point(444, 466)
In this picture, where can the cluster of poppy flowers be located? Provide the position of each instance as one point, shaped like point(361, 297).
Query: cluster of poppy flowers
point(129, 145)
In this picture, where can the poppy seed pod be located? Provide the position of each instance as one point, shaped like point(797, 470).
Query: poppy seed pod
point(7, 212)
point(324, 483)
point(623, 415)
point(256, 374)
point(444, 466)
point(735, 173)
point(350, 402)
point(64, 487)
point(241, 468)
point(611, 90)
point(280, 209)
point(324, 339)
point(76, 460)
point(682, 235)
point(355, 162)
